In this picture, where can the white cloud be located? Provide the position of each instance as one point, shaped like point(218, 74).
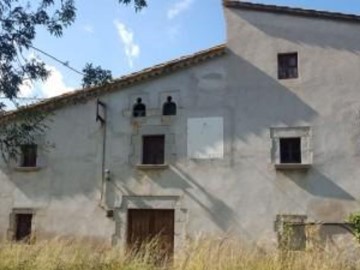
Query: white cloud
point(54, 85)
point(88, 28)
point(33, 56)
point(178, 8)
point(26, 89)
point(132, 50)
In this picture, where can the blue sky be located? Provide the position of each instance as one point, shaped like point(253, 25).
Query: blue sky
point(115, 37)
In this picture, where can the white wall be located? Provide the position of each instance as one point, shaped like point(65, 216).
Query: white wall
point(241, 192)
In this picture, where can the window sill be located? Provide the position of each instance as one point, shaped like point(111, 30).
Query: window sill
point(288, 78)
point(141, 119)
point(27, 169)
point(292, 166)
point(152, 166)
point(167, 119)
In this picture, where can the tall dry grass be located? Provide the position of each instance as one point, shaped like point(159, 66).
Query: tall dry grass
point(197, 255)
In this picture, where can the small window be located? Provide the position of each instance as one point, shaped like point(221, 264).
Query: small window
point(293, 237)
point(139, 109)
point(28, 155)
point(288, 66)
point(291, 232)
point(169, 107)
point(23, 225)
point(290, 150)
point(153, 150)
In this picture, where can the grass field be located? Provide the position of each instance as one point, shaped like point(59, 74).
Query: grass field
point(201, 254)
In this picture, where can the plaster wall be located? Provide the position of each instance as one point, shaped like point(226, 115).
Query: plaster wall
point(241, 193)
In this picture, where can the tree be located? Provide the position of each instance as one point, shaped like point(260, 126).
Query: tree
point(94, 76)
point(19, 21)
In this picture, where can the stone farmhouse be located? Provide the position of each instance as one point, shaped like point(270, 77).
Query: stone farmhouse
point(237, 139)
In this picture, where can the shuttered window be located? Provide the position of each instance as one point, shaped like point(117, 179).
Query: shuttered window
point(153, 149)
point(28, 155)
point(290, 150)
point(288, 66)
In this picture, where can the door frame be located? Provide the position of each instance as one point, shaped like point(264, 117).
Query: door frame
point(150, 202)
point(12, 222)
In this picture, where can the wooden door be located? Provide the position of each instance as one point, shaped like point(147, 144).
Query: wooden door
point(146, 224)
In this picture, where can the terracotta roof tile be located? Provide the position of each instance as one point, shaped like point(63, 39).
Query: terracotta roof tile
point(121, 83)
point(292, 11)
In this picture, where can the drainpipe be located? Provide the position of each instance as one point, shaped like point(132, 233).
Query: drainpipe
point(101, 114)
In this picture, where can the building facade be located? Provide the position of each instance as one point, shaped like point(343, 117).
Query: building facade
point(236, 139)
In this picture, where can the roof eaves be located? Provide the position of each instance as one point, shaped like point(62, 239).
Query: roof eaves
point(292, 11)
point(121, 83)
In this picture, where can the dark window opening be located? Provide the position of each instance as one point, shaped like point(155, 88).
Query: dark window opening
point(290, 150)
point(288, 66)
point(169, 107)
point(139, 109)
point(28, 155)
point(23, 227)
point(154, 149)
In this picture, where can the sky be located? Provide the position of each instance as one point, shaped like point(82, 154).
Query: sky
point(123, 41)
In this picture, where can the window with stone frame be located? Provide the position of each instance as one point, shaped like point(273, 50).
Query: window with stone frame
point(291, 232)
point(288, 66)
point(23, 227)
point(153, 151)
point(291, 147)
point(28, 155)
point(293, 237)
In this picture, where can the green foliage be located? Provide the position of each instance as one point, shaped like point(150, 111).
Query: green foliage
point(285, 236)
point(94, 76)
point(139, 4)
point(19, 22)
point(354, 219)
point(25, 129)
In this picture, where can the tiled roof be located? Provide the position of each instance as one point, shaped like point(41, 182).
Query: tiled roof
point(121, 83)
point(291, 11)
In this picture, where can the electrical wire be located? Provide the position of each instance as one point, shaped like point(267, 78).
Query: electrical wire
point(66, 64)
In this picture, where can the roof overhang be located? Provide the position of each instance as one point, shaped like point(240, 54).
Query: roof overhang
point(292, 11)
point(121, 83)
